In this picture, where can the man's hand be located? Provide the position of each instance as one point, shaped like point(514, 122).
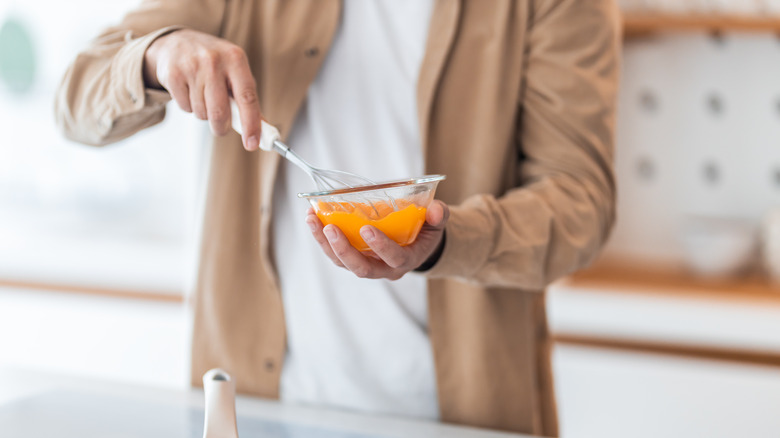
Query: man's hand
point(389, 260)
point(201, 72)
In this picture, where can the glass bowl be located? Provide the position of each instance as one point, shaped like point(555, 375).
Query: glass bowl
point(397, 208)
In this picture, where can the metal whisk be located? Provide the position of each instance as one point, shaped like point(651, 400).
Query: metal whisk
point(325, 179)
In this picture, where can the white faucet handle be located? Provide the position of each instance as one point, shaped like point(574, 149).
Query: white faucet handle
point(220, 392)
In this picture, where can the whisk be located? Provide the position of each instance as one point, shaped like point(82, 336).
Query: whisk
point(325, 179)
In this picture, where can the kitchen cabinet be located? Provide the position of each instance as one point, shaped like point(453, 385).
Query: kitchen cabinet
point(609, 393)
point(135, 340)
point(665, 357)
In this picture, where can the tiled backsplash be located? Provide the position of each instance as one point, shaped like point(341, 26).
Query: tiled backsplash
point(698, 134)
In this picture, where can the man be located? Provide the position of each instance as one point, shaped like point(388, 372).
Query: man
point(512, 99)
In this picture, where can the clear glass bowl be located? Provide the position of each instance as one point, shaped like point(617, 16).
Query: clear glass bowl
point(397, 208)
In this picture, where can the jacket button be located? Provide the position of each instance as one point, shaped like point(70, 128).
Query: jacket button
point(269, 365)
point(312, 52)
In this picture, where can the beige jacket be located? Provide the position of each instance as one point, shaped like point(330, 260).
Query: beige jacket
point(516, 102)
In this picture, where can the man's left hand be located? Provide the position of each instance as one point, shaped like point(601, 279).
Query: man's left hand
point(389, 260)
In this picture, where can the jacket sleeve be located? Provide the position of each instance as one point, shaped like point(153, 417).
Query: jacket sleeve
point(561, 213)
point(102, 98)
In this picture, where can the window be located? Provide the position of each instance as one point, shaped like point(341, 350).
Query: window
point(118, 217)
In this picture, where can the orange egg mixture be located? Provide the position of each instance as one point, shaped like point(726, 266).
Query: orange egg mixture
point(402, 226)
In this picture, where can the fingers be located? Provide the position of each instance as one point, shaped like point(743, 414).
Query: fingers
point(202, 72)
point(180, 93)
point(197, 100)
point(385, 248)
point(352, 259)
point(243, 88)
point(388, 259)
point(217, 106)
point(316, 230)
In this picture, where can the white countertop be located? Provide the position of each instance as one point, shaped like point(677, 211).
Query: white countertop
point(34, 405)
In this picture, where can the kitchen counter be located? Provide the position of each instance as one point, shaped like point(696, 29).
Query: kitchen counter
point(37, 405)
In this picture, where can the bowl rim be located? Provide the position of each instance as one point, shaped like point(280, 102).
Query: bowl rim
point(379, 186)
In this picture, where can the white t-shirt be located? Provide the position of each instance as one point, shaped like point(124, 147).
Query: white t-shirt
point(356, 343)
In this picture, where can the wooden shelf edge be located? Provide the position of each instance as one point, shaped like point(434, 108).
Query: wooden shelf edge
point(159, 296)
point(751, 357)
point(640, 24)
point(609, 274)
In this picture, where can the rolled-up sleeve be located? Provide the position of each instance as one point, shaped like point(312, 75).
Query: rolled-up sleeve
point(560, 215)
point(102, 97)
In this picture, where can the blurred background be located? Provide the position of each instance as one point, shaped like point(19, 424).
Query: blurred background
point(674, 332)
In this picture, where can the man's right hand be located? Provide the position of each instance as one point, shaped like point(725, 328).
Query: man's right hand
point(202, 72)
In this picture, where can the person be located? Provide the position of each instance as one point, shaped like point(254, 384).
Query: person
point(513, 100)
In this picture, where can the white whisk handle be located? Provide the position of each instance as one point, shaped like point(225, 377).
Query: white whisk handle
point(269, 134)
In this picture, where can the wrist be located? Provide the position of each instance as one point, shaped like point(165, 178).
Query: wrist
point(150, 66)
point(430, 262)
point(151, 56)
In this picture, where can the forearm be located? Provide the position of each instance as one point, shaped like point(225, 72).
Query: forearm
point(559, 217)
point(102, 97)
point(527, 238)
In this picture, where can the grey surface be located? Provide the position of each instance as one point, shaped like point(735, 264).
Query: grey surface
point(67, 413)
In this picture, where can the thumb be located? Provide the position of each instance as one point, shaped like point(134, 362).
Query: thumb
point(437, 214)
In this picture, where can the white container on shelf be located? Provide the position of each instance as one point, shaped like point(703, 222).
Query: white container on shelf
point(718, 248)
point(770, 245)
